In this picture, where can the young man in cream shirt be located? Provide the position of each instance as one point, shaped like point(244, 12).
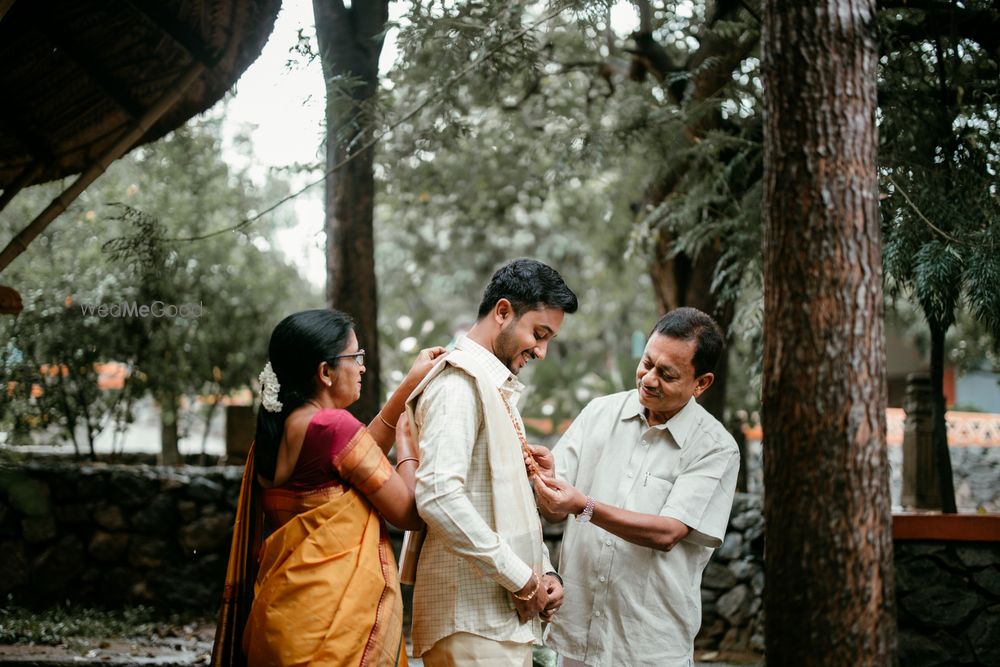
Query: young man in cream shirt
point(484, 581)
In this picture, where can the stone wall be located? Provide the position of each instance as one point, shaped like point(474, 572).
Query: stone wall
point(732, 586)
point(948, 603)
point(975, 469)
point(115, 535)
point(976, 474)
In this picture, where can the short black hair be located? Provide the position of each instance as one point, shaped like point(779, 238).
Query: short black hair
point(528, 285)
point(692, 324)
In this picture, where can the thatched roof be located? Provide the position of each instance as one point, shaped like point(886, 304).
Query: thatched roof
point(85, 81)
point(77, 73)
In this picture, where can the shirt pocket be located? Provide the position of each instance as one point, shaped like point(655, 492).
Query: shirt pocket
point(649, 495)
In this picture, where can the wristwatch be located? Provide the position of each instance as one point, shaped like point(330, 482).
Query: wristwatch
point(588, 511)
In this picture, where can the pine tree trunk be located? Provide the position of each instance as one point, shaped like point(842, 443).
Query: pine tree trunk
point(350, 42)
point(939, 436)
point(829, 598)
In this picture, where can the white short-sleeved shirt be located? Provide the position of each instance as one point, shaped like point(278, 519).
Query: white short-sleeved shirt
point(626, 604)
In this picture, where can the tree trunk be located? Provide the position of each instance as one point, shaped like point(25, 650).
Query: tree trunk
point(939, 435)
point(209, 413)
point(169, 412)
point(681, 281)
point(350, 41)
point(829, 598)
point(92, 429)
point(68, 412)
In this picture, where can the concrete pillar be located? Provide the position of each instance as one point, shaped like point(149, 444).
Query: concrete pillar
point(921, 487)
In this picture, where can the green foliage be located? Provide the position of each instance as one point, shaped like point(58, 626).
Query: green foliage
point(54, 349)
point(483, 178)
point(119, 244)
point(545, 149)
point(969, 345)
point(549, 138)
point(940, 153)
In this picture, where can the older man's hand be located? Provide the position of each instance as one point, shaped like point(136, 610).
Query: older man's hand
point(556, 498)
point(554, 588)
point(543, 461)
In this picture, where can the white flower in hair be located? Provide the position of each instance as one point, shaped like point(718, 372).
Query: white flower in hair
point(269, 389)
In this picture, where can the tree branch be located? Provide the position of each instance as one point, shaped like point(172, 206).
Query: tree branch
point(454, 78)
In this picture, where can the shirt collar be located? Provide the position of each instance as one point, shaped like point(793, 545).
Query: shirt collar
point(498, 374)
point(633, 408)
point(679, 425)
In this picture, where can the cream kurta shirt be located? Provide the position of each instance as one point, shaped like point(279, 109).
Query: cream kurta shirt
point(626, 604)
point(465, 569)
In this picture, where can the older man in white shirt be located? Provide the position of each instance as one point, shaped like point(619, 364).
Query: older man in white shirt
point(484, 581)
point(650, 476)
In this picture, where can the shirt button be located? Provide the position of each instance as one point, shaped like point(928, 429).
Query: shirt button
point(603, 578)
point(630, 475)
point(607, 543)
point(597, 613)
point(644, 443)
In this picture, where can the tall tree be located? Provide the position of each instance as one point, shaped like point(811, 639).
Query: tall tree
point(830, 595)
point(699, 84)
point(350, 39)
point(940, 142)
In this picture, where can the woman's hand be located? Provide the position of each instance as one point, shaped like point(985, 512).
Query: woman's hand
point(384, 428)
point(406, 446)
point(555, 590)
point(423, 364)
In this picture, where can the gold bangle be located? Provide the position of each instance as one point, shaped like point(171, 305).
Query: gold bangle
point(534, 591)
point(408, 458)
point(387, 424)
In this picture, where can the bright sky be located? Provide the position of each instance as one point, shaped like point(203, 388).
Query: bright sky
point(284, 106)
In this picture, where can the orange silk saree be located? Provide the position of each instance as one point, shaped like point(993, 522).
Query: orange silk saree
point(325, 588)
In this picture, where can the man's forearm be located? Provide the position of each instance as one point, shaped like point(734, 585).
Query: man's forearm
point(646, 530)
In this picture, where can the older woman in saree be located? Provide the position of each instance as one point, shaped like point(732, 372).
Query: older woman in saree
point(311, 578)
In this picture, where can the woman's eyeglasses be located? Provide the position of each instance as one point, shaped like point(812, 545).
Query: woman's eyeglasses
point(359, 357)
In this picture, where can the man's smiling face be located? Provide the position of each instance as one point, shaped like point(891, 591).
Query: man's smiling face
point(525, 337)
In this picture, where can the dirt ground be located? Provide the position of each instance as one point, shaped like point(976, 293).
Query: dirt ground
point(188, 645)
point(192, 645)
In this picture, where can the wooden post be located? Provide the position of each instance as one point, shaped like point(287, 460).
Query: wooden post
point(241, 425)
point(921, 489)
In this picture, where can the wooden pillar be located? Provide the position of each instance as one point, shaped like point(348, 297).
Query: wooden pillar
point(921, 489)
